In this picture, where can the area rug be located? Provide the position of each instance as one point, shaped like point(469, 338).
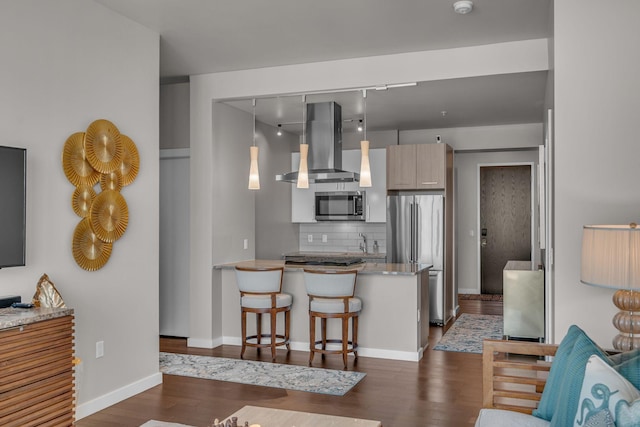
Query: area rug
point(290, 377)
point(468, 331)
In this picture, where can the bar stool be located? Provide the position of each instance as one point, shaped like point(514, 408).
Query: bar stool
point(331, 296)
point(261, 293)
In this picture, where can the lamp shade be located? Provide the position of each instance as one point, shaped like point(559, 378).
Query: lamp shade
point(365, 168)
point(611, 256)
point(303, 171)
point(254, 175)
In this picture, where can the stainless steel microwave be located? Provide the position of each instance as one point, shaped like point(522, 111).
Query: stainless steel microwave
point(341, 206)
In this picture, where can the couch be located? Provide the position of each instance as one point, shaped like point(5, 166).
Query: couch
point(572, 384)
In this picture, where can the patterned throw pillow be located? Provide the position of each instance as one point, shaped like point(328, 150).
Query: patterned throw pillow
point(607, 399)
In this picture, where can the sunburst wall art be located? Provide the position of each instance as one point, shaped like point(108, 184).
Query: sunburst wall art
point(100, 155)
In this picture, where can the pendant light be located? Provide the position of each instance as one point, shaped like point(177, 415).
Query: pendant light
point(365, 169)
point(303, 172)
point(254, 174)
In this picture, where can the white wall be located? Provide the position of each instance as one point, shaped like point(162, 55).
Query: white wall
point(206, 142)
point(65, 64)
point(596, 146)
point(479, 137)
point(174, 115)
point(275, 233)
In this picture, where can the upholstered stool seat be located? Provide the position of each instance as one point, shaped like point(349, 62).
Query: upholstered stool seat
point(331, 296)
point(261, 293)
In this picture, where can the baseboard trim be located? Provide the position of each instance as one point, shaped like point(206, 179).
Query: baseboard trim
point(118, 395)
point(377, 353)
point(204, 342)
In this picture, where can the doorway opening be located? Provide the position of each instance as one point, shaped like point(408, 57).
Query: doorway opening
point(505, 220)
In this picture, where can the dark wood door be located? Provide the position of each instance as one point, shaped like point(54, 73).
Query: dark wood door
point(505, 221)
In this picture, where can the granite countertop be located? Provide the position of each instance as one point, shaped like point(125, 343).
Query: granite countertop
point(13, 317)
point(367, 255)
point(364, 268)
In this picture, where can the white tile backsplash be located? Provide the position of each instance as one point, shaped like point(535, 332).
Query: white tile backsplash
point(342, 236)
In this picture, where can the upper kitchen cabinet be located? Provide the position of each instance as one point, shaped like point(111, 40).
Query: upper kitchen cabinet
point(377, 193)
point(418, 167)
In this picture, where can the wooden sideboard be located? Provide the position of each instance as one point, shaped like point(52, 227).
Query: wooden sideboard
point(36, 367)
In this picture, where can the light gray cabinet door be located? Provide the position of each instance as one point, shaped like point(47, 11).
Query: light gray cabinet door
point(174, 246)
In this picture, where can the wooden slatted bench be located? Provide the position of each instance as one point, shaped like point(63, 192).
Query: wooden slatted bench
point(514, 374)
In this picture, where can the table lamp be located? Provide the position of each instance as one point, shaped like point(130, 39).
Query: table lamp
point(611, 259)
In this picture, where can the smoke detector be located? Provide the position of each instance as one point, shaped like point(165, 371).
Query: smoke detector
point(463, 6)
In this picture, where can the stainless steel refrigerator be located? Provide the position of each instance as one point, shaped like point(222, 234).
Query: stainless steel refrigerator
point(415, 234)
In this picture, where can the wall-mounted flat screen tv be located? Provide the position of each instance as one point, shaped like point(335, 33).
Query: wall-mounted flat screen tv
point(13, 206)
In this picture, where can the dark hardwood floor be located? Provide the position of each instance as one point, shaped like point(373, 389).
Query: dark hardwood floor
point(444, 389)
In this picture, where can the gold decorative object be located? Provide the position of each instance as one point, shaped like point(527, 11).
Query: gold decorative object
point(76, 167)
point(109, 216)
point(103, 146)
point(111, 181)
point(130, 160)
point(81, 200)
point(89, 252)
point(47, 295)
point(101, 154)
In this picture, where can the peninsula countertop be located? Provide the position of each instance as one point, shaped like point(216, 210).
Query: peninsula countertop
point(13, 317)
point(362, 268)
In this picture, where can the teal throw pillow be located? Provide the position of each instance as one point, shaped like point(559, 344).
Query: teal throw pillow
point(550, 395)
point(569, 392)
point(629, 366)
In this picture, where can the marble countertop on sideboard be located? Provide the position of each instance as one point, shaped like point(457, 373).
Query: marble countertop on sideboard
point(13, 317)
point(363, 268)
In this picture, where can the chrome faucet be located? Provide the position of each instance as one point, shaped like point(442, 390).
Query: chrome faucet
point(363, 245)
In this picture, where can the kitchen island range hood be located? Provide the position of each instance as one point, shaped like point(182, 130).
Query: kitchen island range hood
point(324, 136)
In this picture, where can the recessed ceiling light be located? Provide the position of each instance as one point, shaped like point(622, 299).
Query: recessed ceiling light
point(463, 6)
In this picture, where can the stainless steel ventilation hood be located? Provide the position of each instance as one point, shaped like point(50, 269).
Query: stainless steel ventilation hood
point(324, 136)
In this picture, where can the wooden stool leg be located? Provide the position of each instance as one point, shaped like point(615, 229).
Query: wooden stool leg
point(243, 316)
point(312, 337)
point(274, 315)
point(258, 329)
point(287, 325)
point(345, 339)
point(354, 335)
point(323, 323)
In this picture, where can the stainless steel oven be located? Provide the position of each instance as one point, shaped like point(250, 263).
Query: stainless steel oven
point(341, 206)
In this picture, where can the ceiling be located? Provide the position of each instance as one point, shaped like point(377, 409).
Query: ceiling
point(208, 36)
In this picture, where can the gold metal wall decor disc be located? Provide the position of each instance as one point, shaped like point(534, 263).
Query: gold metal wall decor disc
point(109, 216)
point(111, 181)
point(103, 146)
point(76, 167)
point(82, 199)
point(130, 160)
point(89, 252)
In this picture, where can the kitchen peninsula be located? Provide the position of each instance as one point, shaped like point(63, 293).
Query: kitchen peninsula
point(394, 322)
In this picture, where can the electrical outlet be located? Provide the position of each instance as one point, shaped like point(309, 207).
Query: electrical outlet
point(99, 349)
point(310, 238)
point(324, 238)
point(245, 244)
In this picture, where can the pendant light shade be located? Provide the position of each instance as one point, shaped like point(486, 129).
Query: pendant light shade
point(303, 170)
point(365, 168)
point(254, 173)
